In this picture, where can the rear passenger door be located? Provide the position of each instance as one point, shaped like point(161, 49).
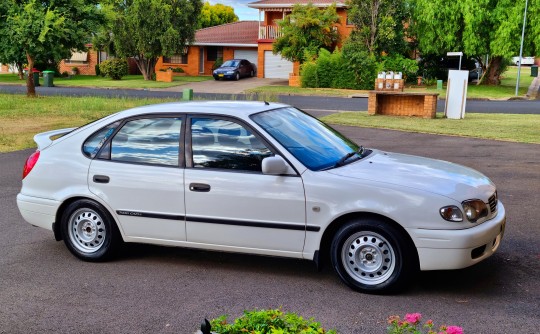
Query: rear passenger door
point(230, 203)
point(139, 173)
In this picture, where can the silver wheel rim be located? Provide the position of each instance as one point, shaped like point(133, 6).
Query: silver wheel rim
point(87, 231)
point(368, 258)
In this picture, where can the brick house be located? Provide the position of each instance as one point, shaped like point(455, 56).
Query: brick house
point(251, 40)
point(86, 62)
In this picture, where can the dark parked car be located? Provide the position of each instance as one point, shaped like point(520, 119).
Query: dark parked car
point(234, 69)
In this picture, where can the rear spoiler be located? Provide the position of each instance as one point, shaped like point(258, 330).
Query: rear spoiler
point(43, 139)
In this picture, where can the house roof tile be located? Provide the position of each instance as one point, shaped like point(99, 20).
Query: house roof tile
point(237, 33)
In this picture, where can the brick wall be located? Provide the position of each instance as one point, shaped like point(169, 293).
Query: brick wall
point(263, 46)
point(84, 69)
point(402, 104)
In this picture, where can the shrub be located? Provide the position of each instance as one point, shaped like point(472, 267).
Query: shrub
point(268, 322)
point(328, 70)
point(412, 324)
point(115, 68)
point(75, 70)
point(178, 70)
point(398, 63)
point(217, 63)
point(362, 65)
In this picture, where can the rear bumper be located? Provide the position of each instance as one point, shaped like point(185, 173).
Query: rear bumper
point(456, 249)
point(37, 211)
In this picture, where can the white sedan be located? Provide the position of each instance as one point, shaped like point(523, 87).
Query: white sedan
point(258, 178)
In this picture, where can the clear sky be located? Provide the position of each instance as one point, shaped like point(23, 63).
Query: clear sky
point(240, 8)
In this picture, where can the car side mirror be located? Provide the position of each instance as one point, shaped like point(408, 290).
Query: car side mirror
point(275, 165)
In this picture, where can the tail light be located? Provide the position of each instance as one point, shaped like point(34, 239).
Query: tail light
point(30, 163)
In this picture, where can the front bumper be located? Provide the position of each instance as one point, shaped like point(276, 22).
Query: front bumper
point(37, 211)
point(224, 76)
point(456, 249)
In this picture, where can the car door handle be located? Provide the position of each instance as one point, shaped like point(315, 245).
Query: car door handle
point(101, 179)
point(200, 187)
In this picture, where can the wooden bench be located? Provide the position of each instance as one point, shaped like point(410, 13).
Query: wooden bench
point(402, 104)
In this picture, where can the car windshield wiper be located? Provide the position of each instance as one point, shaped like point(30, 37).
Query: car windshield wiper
point(346, 157)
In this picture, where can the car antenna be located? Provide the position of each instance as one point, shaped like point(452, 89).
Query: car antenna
point(266, 103)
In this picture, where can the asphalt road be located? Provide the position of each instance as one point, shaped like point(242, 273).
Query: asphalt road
point(150, 289)
point(302, 102)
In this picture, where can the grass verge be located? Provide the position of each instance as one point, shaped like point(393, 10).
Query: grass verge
point(21, 117)
point(129, 81)
point(506, 127)
point(505, 90)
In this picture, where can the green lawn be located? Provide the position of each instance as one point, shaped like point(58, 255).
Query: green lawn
point(506, 127)
point(130, 81)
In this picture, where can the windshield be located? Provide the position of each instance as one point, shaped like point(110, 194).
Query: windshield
point(312, 142)
point(230, 63)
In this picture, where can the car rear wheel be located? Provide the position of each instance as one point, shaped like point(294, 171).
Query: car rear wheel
point(369, 256)
point(252, 73)
point(89, 231)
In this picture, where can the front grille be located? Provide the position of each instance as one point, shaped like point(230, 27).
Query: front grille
point(493, 203)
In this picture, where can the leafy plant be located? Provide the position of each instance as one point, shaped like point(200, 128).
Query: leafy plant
point(178, 70)
point(75, 70)
point(115, 68)
point(217, 63)
point(398, 63)
point(268, 322)
point(412, 324)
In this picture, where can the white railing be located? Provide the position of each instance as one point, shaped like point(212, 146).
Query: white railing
point(269, 32)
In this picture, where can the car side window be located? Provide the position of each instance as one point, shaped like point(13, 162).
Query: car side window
point(154, 141)
point(223, 144)
point(93, 144)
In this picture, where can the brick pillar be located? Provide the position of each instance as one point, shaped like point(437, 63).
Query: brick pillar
point(430, 106)
point(372, 103)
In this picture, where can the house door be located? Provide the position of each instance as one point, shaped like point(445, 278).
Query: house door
point(201, 60)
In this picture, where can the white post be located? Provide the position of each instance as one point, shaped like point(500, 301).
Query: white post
point(521, 47)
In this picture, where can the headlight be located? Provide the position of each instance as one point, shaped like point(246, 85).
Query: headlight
point(451, 213)
point(475, 209)
point(230, 72)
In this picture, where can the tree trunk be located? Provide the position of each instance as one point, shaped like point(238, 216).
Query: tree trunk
point(30, 86)
point(493, 72)
point(20, 72)
point(146, 66)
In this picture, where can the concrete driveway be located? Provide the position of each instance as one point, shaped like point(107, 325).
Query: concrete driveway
point(228, 86)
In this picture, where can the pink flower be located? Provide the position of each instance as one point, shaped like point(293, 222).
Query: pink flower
point(454, 330)
point(413, 318)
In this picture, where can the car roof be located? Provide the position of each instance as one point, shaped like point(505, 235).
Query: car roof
point(231, 108)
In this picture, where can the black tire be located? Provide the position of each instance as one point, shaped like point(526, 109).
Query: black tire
point(372, 256)
point(237, 76)
point(89, 231)
point(252, 73)
point(216, 78)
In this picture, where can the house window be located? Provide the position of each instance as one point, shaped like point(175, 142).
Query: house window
point(214, 52)
point(176, 59)
point(77, 58)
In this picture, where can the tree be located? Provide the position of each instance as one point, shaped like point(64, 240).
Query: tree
point(380, 25)
point(45, 30)
point(305, 31)
point(148, 29)
point(213, 15)
point(478, 28)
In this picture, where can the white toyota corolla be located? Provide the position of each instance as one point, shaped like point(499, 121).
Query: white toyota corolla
point(258, 178)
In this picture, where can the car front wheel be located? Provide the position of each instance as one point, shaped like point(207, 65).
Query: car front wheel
point(89, 231)
point(372, 256)
point(237, 76)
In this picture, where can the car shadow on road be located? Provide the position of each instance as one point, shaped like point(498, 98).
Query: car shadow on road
point(486, 278)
